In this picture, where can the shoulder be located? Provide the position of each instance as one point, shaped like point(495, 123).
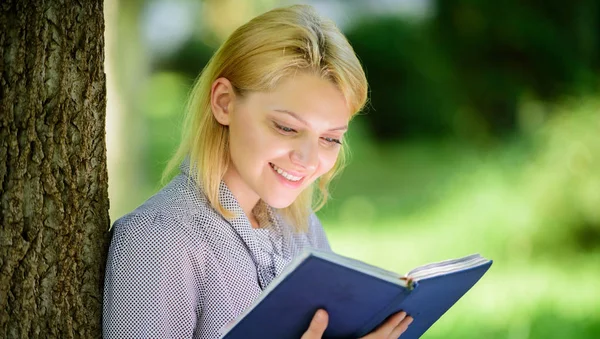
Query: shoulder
point(147, 241)
point(177, 209)
point(158, 236)
point(149, 226)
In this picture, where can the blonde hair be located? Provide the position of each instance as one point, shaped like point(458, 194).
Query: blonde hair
point(259, 54)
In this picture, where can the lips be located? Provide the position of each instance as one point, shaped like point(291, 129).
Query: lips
point(285, 173)
point(288, 179)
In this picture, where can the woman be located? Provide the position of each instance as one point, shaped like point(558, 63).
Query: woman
point(263, 138)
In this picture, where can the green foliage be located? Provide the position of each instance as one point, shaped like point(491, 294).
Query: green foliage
point(464, 72)
point(188, 61)
point(410, 90)
point(165, 96)
point(537, 193)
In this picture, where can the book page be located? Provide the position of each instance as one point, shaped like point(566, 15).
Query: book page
point(447, 266)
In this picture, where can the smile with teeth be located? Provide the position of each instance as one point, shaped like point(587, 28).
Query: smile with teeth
point(285, 174)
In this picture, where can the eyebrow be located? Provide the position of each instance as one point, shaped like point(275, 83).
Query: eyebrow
point(341, 128)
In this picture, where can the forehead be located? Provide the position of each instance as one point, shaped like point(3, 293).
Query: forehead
point(306, 95)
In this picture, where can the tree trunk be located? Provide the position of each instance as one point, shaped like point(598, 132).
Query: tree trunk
point(53, 179)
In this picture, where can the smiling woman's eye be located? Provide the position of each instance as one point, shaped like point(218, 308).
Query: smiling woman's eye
point(333, 140)
point(284, 129)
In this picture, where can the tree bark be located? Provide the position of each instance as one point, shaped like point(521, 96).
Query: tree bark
point(53, 178)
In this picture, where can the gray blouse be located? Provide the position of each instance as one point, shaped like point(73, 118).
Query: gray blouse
point(177, 269)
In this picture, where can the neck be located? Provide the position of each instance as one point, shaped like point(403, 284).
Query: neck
point(247, 198)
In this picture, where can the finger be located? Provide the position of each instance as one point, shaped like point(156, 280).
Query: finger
point(387, 327)
point(317, 326)
point(402, 327)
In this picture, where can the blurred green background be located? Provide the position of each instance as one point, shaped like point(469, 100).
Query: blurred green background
point(482, 135)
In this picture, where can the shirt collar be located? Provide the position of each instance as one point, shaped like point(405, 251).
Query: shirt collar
point(266, 266)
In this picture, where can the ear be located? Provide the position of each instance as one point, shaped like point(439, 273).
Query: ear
point(222, 97)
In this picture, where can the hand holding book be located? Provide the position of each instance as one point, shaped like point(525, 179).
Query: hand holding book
point(393, 327)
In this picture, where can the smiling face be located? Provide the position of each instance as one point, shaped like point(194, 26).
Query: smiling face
point(280, 141)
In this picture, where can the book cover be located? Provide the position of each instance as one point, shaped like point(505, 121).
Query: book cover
point(357, 296)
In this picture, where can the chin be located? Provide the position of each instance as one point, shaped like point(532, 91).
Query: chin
point(279, 202)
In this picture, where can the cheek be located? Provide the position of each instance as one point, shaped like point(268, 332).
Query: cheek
point(243, 145)
point(327, 161)
point(255, 144)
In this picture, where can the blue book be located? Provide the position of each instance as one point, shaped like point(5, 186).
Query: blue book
point(357, 296)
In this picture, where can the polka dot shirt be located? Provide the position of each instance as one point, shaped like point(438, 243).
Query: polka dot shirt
point(177, 269)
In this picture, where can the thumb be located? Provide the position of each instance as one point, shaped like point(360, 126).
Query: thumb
point(317, 326)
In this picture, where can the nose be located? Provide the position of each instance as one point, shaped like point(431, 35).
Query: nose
point(306, 155)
